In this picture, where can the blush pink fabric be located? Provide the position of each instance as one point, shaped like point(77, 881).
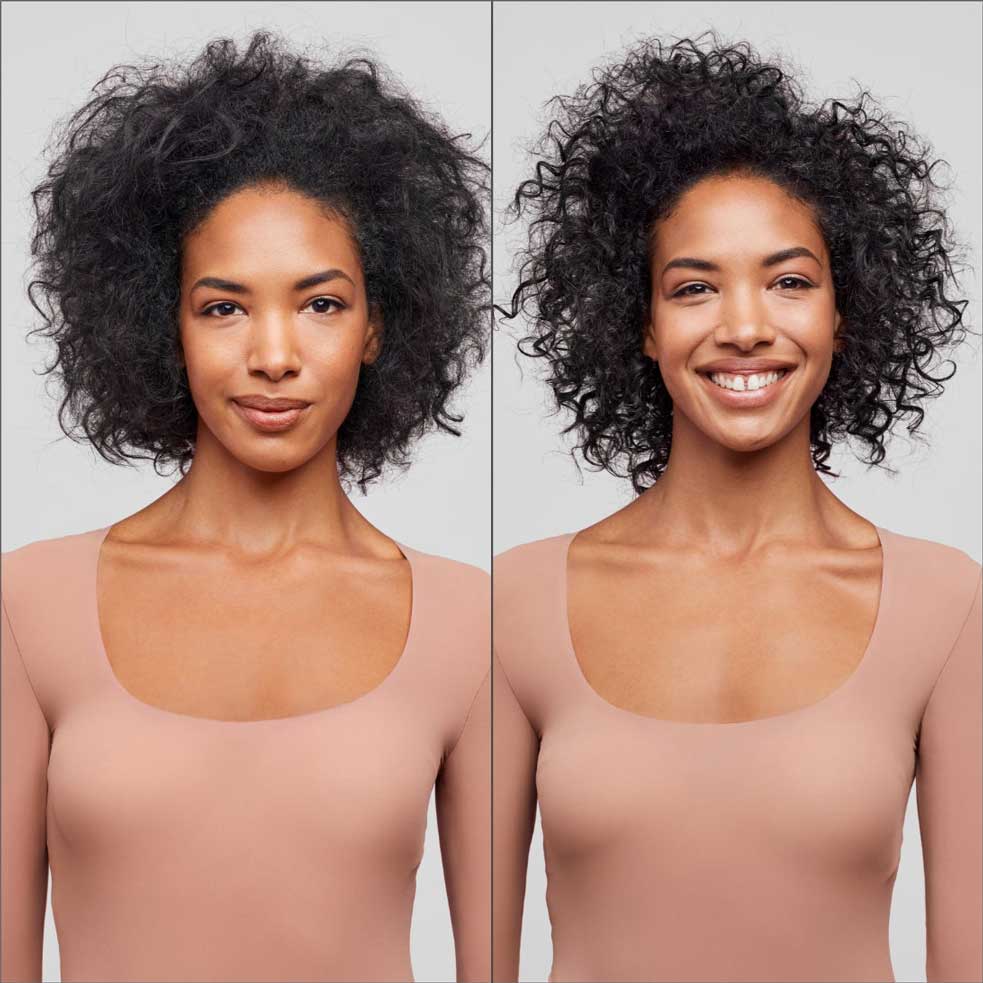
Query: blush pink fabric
point(185, 848)
point(762, 850)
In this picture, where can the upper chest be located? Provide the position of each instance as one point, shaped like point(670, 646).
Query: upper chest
point(684, 638)
point(204, 636)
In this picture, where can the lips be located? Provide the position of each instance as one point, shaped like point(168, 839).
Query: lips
point(270, 403)
point(745, 366)
point(746, 398)
point(284, 414)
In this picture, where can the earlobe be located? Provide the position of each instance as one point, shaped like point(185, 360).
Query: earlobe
point(837, 339)
point(373, 339)
point(648, 342)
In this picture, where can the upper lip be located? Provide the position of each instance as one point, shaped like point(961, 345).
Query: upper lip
point(745, 366)
point(270, 403)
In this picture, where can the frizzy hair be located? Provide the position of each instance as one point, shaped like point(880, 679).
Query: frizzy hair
point(615, 158)
point(159, 145)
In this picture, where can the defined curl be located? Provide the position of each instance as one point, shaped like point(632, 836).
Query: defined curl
point(618, 155)
point(158, 147)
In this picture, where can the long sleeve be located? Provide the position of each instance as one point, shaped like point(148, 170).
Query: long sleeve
point(515, 752)
point(24, 745)
point(949, 789)
point(463, 804)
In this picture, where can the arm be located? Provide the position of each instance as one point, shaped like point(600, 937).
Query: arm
point(949, 789)
point(463, 803)
point(24, 743)
point(516, 749)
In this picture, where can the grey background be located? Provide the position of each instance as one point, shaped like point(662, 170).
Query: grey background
point(920, 60)
point(51, 486)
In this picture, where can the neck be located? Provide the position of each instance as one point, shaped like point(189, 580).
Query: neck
point(221, 499)
point(737, 501)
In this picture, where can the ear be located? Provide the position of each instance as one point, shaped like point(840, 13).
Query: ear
point(373, 337)
point(648, 341)
point(838, 343)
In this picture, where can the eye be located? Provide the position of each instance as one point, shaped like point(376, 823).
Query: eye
point(221, 308)
point(683, 291)
point(796, 281)
point(324, 305)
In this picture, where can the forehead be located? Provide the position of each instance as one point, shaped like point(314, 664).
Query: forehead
point(736, 217)
point(266, 232)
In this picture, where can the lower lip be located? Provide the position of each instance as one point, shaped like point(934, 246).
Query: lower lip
point(747, 399)
point(270, 421)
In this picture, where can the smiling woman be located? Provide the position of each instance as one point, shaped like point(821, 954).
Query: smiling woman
point(618, 158)
point(722, 280)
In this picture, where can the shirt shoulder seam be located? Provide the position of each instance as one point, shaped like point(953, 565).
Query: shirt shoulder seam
point(467, 717)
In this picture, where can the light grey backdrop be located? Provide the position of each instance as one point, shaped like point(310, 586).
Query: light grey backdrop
point(922, 61)
point(52, 54)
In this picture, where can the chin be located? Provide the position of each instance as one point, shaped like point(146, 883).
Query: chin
point(749, 442)
point(273, 462)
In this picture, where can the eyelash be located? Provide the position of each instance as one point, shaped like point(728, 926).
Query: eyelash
point(207, 311)
point(803, 284)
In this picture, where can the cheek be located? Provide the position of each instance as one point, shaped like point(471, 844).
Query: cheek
point(810, 326)
point(335, 359)
point(211, 365)
point(675, 334)
point(206, 358)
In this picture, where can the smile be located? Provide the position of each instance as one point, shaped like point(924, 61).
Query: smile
point(746, 383)
point(746, 390)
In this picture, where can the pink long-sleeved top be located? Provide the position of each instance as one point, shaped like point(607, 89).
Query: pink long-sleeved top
point(760, 850)
point(189, 848)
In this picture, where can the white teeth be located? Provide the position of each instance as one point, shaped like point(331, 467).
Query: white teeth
point(741, 383)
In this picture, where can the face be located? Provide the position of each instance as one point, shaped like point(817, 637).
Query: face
point(743, 320)
point(273, 307)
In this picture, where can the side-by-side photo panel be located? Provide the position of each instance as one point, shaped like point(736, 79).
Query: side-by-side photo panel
point(737, 707)
point(246, 692)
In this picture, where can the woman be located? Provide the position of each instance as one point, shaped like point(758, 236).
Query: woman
point(224, 715)
point(720, 694)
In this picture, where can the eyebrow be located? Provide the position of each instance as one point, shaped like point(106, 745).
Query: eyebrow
point(238, 288)
point(691, 262)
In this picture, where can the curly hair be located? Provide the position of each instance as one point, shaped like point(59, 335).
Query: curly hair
point(158, 146)
point(618, 155)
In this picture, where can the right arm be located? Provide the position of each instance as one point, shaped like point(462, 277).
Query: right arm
point(24, 745)
point(515, 748)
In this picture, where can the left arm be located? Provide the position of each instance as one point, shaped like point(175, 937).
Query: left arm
point(949, 789)
point(463, 803)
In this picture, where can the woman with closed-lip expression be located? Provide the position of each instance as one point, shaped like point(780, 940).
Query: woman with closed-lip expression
point(224, 715)
point(719, 696)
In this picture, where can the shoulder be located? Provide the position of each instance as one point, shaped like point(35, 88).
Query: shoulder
point(457, 580)
point(531, 573)
point(450, 595)
point(937, 567)
point(44, 567)
point(935, 585)
point(452, 619)
point(536, 558)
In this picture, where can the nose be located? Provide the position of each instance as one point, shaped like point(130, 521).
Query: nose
point(744, 320)
point(273, 346)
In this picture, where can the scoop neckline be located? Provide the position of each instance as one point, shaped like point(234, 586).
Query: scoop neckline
point(775, 719)
point(106, 667)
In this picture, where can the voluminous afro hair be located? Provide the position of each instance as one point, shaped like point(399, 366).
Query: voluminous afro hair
point(158, 146)
point(618, 155)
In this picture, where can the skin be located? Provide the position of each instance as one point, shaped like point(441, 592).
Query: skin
point(252, 540)
point(759, 584)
